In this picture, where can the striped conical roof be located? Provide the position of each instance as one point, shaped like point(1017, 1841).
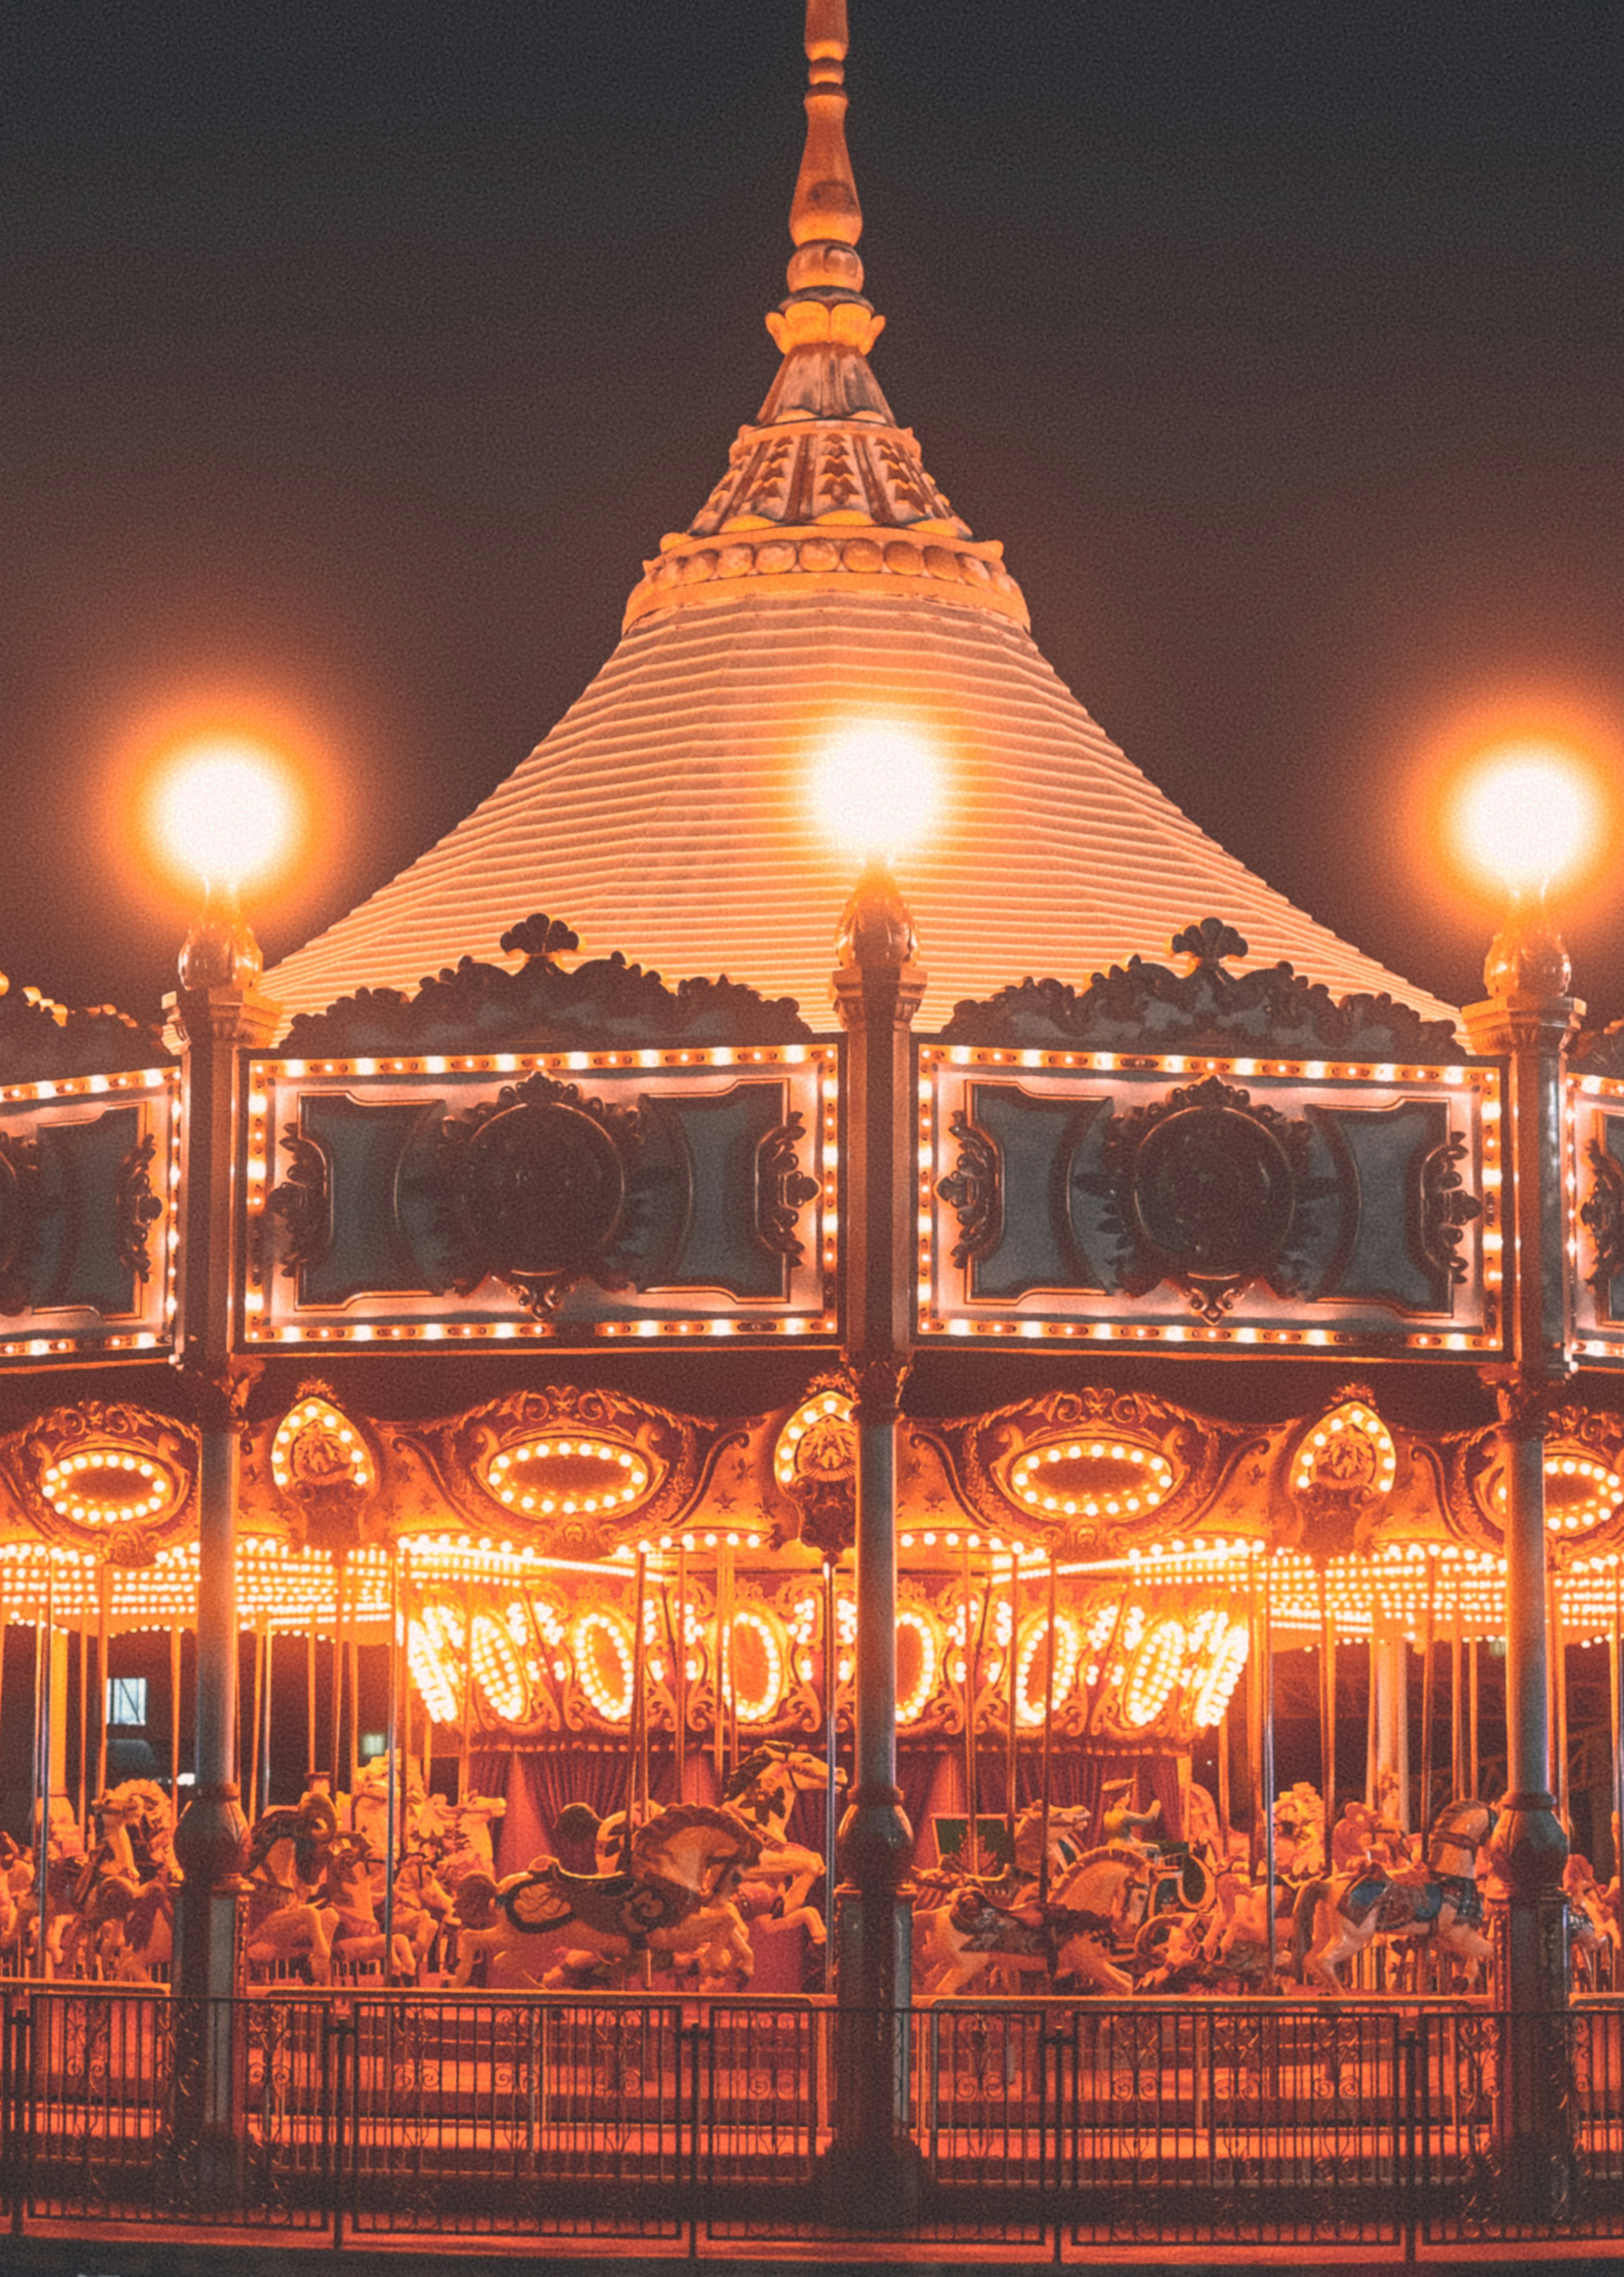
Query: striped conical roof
point(825, 582)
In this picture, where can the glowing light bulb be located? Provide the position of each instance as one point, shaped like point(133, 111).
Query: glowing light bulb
point(223, 808)
point(876, 789)
point(1526, 814)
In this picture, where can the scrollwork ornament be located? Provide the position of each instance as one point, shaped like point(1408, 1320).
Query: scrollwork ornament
point(783, 1188)
point(877, 1389)
point(219, 1396)
point(1446, 1209)
point(974, 1191)
point(1602, 1215)
point(21, 1208)
point(303, 1203)
point(136, 1208)
point(537, 1185)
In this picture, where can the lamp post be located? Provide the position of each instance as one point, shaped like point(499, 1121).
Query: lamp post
point(220, 810)
point(1527, 822)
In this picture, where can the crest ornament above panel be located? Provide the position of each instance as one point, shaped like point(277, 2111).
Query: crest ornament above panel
point(476, 1007)
point(1146, 1007)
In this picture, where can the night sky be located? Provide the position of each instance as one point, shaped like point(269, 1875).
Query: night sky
point(352, 359)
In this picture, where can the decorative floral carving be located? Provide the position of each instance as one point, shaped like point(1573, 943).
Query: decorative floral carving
point(41, 1041)
point(1203, 1188)
point(481, 1008)
point(1445, 1208)
point(537, 1186)
point(816, 1459)
point(877, 1387)
point(1143, 1006)
point(1602, 1215)
point(974, 1192)
point(135, 1208)
point(21, 1208)
point(783, 1188)
point(302, 1203)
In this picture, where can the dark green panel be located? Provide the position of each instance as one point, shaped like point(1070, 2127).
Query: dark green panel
point(717, 1242)
point(76, 1262)
point(1044, 1238)
point(1381, 1258)
point(380, 1229)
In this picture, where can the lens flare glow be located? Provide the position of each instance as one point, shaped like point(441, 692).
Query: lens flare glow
point(877, 788)
point(223, 808)
point(1527, 815)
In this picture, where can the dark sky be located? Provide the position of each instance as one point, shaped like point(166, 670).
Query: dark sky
point(352, 357)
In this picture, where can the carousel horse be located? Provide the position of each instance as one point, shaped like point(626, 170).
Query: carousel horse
point(1099, 1904)
point(762, 1791)
point(369, 1802)
point(1237, 1946)
point(1335, 1920)
point(422, 1905)
point(146, 1938)
point(685, 1865)
point(1170, 1956)
point(1299, 1832)
point(285, 1867)
point(357, 1934)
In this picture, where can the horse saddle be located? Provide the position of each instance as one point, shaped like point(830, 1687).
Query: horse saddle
point(619, 1905)
point(1403, 1905)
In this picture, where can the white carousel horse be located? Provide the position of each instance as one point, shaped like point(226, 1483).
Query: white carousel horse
point(369, 1802)
point(1100, 1903)
point(422, 1905)
point(357, 1933)
point(1238, 1944)
point(677, 1897)
point(1299, 1832)
point(762, 1791)
point(1336, 1920)
point(285, 1864)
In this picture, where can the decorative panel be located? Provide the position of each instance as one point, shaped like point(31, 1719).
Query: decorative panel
point(1207, 1202)
point(87, 1180)
point(565, 1196)
point(1595, 1168)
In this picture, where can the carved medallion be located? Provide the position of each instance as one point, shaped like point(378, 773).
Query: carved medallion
point(1205, 1188)
point(537, 1185)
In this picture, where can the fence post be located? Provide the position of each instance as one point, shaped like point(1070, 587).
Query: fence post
point(14, 2053)
point(337, 2033)
point(1409, 2191)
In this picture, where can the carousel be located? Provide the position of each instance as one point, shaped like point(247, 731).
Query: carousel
point(1015, 1436)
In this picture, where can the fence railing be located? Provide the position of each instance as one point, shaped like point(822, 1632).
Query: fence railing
point(1051, 2124)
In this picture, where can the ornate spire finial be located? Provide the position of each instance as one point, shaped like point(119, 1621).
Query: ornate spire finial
point(825, 273)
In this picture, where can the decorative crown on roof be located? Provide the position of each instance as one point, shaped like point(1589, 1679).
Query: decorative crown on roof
point(826, 492)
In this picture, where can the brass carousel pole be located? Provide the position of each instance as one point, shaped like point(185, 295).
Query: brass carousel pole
point(633, 1722)
point(1011, 1745)
point(1558, 1644)
point(103, 1623)
point(174, 1719)
point(45, 1635)
point(309, 1696)
point(1456, 1721)
point(1268, 1688)
point(1223, 1783)
point(1048, 1729)
point(723, 1671)
point(679, 1675)
point(1328, 1711)
point(1428, 1706)
point(336, 1738)
point(392, 1743)
point(259, 1717)
point(465, 1753)
point(84, 1720)
point(1254, 1720)
point(971, 1824)
point(1614, 1706)
point(264, 1798)
point(831, 1683)
point(1475, 1780)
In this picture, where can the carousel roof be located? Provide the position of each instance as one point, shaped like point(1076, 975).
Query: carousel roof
point(827, 582)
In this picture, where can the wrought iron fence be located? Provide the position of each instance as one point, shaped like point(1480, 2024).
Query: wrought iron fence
point(1039, 2124)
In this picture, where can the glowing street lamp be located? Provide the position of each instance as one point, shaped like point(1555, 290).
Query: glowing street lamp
point(1527, 816)
point(876, 789)
point(224, 811)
